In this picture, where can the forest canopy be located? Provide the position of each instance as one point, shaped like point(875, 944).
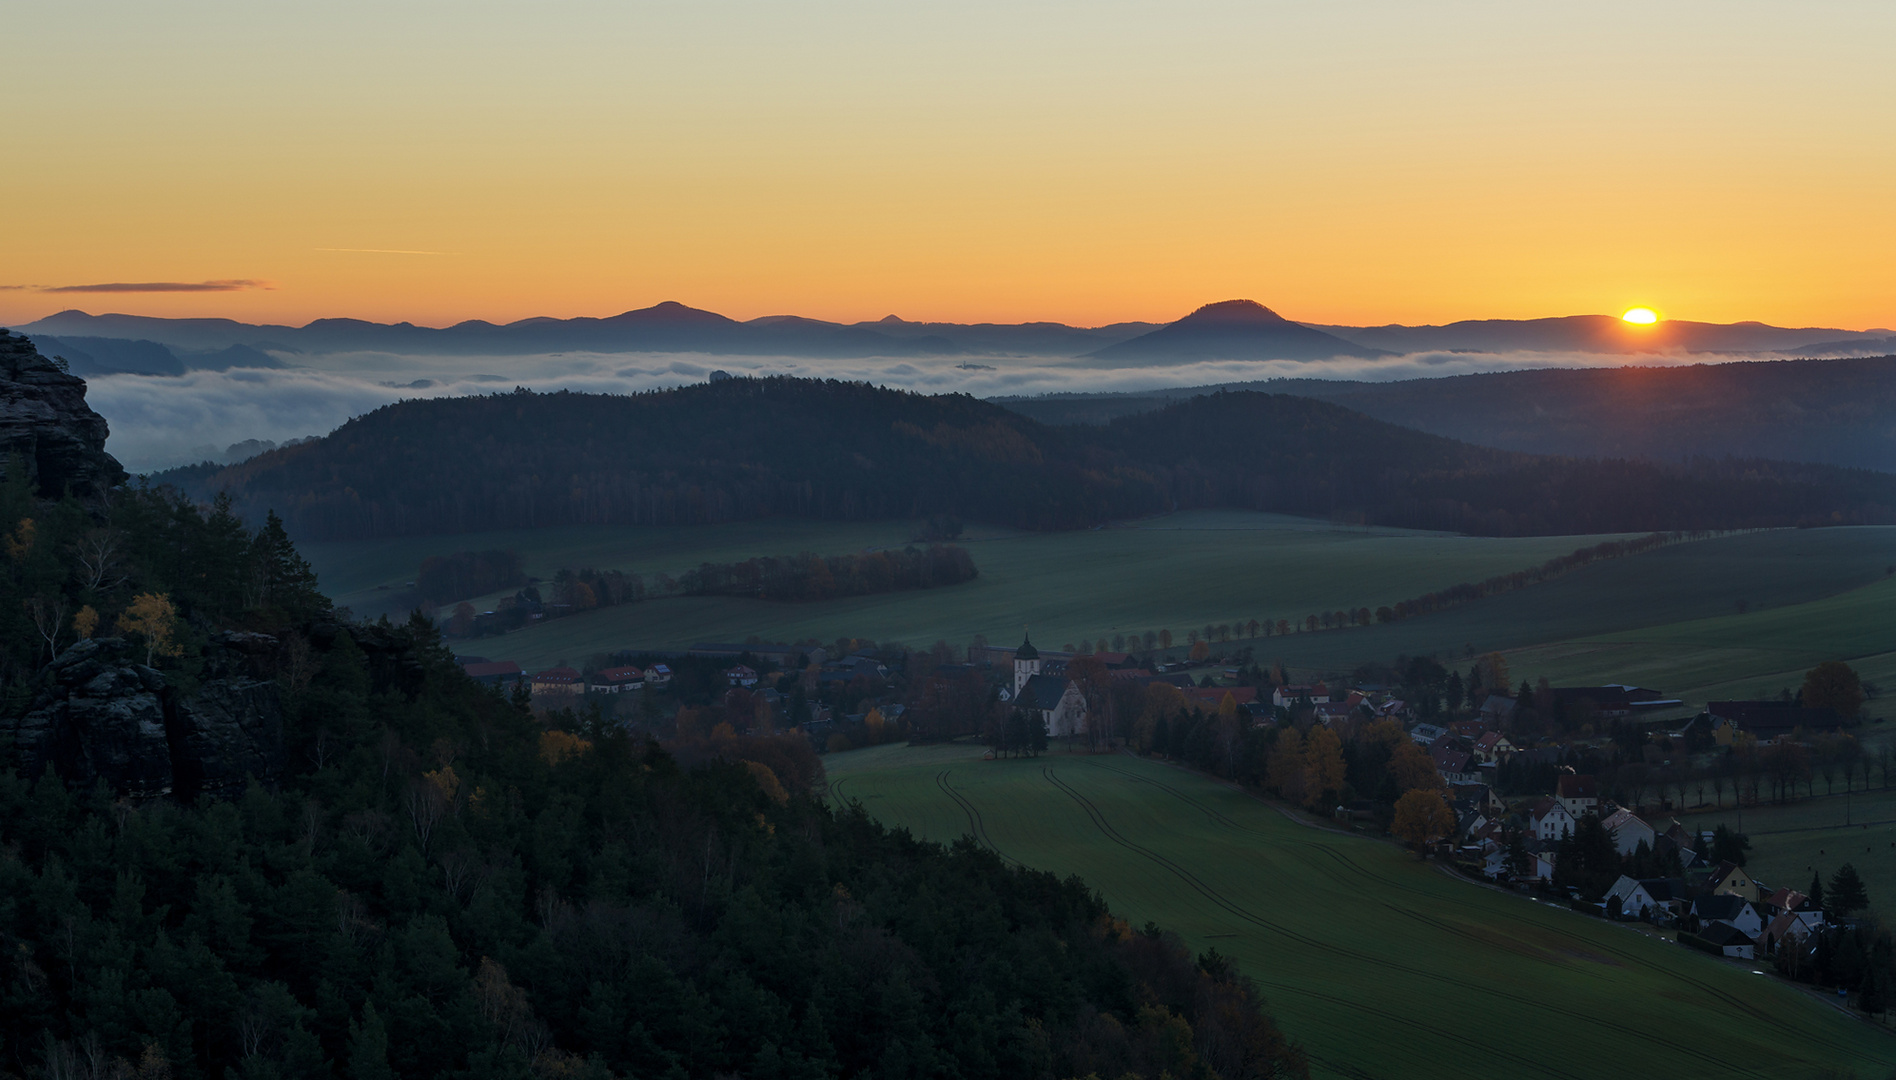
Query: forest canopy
point(746, 448)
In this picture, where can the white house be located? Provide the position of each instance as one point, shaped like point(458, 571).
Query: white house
point(1540, 867)
point(1731, 910)
point(1551, 820)
point(1629, 831)
point(1639, 899)
point(1730, 940)
point(1579, 794)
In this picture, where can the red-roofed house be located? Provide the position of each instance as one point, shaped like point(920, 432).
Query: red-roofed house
point(559, 680)
point(493, 672)
point(614, 680)
point(1579, 794)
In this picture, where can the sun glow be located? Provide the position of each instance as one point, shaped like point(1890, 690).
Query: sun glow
point(1644, 316)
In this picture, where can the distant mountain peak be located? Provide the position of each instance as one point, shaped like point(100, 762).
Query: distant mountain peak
point(1232, 313)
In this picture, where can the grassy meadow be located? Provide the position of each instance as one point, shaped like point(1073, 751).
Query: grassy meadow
point(1345, 934)
point(1789, 842)
point(1189, 569)
point(1178, 571)
point(1757, 654)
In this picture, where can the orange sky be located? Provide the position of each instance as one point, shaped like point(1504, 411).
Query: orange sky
point(1366, 162)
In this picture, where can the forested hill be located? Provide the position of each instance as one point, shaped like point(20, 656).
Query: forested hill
point(747, 448)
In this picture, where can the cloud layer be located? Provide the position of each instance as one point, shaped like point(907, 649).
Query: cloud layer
point(223, 285)
point(158, 422)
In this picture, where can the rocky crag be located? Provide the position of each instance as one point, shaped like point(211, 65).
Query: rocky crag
point(45, 421)
point(107, 717)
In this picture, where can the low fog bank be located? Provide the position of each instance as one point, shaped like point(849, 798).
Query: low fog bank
point(162, 421)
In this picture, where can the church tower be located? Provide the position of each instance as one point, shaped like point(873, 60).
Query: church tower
point(1026, 663)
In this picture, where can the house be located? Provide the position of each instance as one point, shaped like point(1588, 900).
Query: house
point(1550, 819)
point(658, 676)
point(1056, 698)
point(1492, 747)
point(1334, 712)
point(1467, 729)
point(1790, 900)
point(1728, 910)
point(1425, 734)
point(1482, 796)
point(1629, 831)
point(741, 675)
point(1452, 762)
point(1579, 794)
point(1728, 879)
point(1790, 926)
point(1730, 941)
point(1644, 899)
point(1213, 696)
point(1497, 710)
point(1540, 866)
point(559, 680)
point(1286, 696)
point(1768, 721)
point(1613, 701)
point(616, 679)
point(493, 672)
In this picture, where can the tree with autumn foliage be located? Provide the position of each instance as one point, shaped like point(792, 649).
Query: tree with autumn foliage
point(1423, 818)
point(1323, 768)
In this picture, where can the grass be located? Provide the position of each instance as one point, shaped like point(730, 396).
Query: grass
point(1738, 656)
point(1380, 965)
point(1788, 843)
point(1179, 571)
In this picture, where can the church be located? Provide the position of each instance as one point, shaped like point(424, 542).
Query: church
point(1051, 694)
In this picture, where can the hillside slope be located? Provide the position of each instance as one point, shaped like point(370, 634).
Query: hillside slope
point(748, 448)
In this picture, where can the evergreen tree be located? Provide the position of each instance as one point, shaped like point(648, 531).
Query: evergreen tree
point(1847, 893)
point(1816, 890)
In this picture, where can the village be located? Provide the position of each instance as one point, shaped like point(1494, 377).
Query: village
point(1573, 794)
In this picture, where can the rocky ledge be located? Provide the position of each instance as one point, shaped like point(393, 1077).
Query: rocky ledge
point(45, 420)
point(108, 717)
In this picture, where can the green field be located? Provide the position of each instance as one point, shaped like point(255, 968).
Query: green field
point(1380, 965)
point(1738, 656)
point(1789, 842)
point(1176, 572)
point(1189, 569)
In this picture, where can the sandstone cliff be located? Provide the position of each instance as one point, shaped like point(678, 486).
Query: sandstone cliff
point(45, 420)
point(108, 717)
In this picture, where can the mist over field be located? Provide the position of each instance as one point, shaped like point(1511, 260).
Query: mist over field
point(162, 421)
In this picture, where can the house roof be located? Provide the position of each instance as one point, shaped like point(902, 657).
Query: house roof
point(1449, 759)
point(1620, 818)
point(1774, 717)
point(618, 674)
point(1026, 650)
point(1724, 933)
point(1723, 906)
point(1663, 889)
point(1787, 899)
point(1490, 740)
point(1546, 805)
point(558, 674)
point(1570, 786)
point(488, 668)
point(1042, 692)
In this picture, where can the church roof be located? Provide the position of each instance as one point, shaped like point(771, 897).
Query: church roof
point(1042, 692)
point(1026, 650)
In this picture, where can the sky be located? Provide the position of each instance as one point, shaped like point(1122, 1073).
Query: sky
point(1352, 162)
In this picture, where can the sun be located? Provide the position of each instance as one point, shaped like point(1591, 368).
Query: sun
point(1644, 316)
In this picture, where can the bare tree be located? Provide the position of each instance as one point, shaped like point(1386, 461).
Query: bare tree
point(101, 557)
point(49, 618)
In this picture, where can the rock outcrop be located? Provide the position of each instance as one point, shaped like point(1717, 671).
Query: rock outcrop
point(108, 717)
point(45, 420)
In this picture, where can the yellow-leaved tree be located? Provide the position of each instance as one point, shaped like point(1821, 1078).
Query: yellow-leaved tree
point(86, 622)
point(1422, 818)
point(1323, 766)
point(152, 617)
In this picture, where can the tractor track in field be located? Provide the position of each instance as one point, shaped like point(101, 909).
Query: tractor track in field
point(976, 824)
point(1106, 828)
point(1350, 864)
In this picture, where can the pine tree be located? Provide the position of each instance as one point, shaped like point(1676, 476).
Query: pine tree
point(1847, 893)
point(283, 579)
point(368, 1047)
point(1816, 890)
